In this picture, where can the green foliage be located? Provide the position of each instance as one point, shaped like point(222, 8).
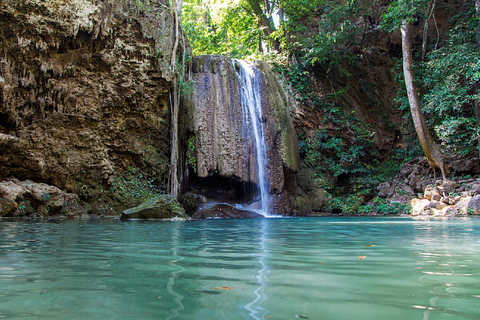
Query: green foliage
point(217, 27)
point(134, 187)
point(354, 204)
point(383, 206)
point(401, 11)
point(448, 77)
point(191, 152)
point(445, 81)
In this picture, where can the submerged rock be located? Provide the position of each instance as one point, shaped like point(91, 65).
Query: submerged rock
point(161, 207)
point(224, 211)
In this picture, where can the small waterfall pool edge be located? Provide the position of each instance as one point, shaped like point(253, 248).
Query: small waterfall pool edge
point(318, 268)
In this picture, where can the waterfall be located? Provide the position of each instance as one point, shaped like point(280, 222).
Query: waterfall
point(252, 109)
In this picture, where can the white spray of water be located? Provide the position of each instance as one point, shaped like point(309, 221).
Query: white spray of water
point(252, 106)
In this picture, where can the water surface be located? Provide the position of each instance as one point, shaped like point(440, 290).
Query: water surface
point(318, 268)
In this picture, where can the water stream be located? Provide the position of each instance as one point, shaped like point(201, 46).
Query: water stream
point(248, 77)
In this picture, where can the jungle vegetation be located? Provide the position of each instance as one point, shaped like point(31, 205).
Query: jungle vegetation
point(309, 40)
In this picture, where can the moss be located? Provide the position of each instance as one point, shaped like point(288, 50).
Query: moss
point(159, 207)
point(134, 187)
point(287, 140)
point(191, 153)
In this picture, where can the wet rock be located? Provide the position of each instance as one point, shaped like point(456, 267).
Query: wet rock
point(224, 211)
point(224, 141)
point(7, 207)
point(280, 204)
point(191, 201)
point(161, 207)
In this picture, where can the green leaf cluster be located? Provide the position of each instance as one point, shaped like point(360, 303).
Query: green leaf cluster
point(220, 27)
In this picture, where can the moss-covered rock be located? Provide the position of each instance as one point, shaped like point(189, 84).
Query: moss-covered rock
point(161, 207)
point(286, 139)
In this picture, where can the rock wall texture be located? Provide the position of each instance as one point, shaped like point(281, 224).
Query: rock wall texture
point(215, 118)
point(84, 92)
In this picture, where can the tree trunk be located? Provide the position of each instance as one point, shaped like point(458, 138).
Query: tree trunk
point(175, 184)
point(477, 9)
point(476, 85)
point(264, 23)
point(429, 145)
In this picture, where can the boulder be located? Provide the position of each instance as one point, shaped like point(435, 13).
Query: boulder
point(468, 205)
point(384, 189)
point(449, 186)
point(7, 207)
point(438, 205)
point(422, 185)
point(432, 192)
point(407, 189)
point(53, 199)
point(419, 206)
point(468, 165)
point(160, 208)
point(224, 211)
point(191, 201)
point(300, 204)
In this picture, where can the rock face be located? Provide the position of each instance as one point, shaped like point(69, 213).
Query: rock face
point(84, 91)
point(214, 117)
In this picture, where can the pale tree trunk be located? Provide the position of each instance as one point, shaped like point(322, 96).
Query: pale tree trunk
point(477, 9)
point(476, 85)
point(429, 145)
point(175, 184)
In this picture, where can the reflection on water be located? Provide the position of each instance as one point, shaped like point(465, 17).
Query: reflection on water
point(255, 309)
point(176, 259)
point(241, 269)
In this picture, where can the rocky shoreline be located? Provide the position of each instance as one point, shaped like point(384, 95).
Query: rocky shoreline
point(31, 200)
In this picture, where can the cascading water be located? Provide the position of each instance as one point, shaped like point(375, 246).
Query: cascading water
point(252, 108)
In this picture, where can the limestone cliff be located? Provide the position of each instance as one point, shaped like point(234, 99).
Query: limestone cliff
point(215, 119)
point(84, 93)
